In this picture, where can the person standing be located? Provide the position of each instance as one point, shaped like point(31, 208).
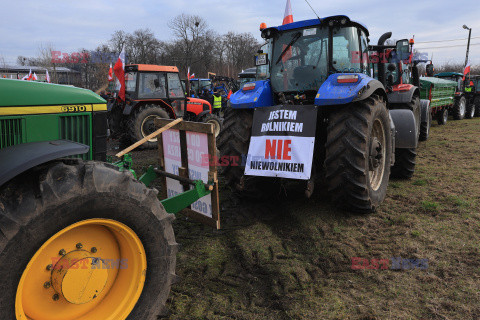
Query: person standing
point(217, 103)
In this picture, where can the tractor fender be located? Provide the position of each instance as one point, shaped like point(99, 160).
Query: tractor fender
point(374, 86)
point(332, 92)
point(257, 94)
point(405, 128)
point(403, 96)
point(19, 158)
point(424, 110)
point(201, 114)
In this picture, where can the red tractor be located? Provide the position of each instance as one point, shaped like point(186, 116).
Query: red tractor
point(154, 91)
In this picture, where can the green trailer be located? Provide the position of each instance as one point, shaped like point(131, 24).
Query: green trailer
point(79, 238)
point(441, 94)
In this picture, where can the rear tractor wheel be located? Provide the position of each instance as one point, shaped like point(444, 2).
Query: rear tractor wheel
point(81, 240)
point(358, 155)
point(442, 116)
point(215, 120)
point(460, 108)
point(142, 123)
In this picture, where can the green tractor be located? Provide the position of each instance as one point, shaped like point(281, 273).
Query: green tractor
point(79, 238)
point(464, 104)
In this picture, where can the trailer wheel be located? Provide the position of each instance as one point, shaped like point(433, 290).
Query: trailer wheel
point(215, 120)
point(404, 166)
point(81, 240)
point(425, 128)
point(442, 116)
point(233, 143)
point(459, 108)
point(358, 155)
point(141, 124)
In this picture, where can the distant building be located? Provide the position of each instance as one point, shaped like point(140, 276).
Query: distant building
point(64, 75)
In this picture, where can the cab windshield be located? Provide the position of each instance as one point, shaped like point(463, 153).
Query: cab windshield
point(301, 61)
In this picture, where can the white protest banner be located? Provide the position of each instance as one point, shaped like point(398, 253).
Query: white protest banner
point(282, 142)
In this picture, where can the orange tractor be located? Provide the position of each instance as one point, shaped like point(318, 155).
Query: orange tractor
point(154, 91)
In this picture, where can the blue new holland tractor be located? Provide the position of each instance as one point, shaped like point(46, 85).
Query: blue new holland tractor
point(320, 64)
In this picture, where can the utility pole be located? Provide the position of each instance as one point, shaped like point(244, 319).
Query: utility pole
point(468, 45)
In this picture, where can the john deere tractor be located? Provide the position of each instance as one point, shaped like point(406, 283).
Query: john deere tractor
point(79, 238)
point(315, 65)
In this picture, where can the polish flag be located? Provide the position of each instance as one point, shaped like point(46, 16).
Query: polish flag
point(466, 71)
point(110, 73)
point(47, 76)
point(190, 76)
point(34, 77)
point(119, 69)
point(29, 76)
point(288, 18)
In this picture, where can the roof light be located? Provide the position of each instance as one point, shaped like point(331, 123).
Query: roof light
point(411, 41)
point(263, 26)
point(348, 78)
point(249, 86)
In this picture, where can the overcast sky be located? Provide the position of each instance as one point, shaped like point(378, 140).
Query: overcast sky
point(70, 25)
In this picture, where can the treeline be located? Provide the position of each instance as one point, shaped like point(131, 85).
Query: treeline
point(194, 45)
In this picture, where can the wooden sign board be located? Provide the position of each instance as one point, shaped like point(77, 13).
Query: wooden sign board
point(185, 150)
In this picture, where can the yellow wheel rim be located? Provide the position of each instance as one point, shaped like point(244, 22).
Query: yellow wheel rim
point(93, 269)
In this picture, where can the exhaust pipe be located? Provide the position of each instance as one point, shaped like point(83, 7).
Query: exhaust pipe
point(381, 66)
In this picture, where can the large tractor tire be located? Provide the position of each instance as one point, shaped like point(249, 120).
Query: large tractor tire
point(459, 108)
point(470, 113)
point(81, 240)
point(476, 102)
point(404, 166)
point(425, 128)
point(142, 123)
point(233, 143)
point(442, 117)
point(215, 120)
point(358, 155)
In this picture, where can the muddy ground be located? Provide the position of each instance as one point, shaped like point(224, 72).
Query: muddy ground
point(291, 258)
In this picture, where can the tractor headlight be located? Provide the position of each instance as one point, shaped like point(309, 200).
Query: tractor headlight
point(330, 23)
point(343, 21)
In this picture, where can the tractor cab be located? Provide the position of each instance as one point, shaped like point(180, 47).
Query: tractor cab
point(246, 76)
point(145, 82)
point(304, 54)
point(393, 65)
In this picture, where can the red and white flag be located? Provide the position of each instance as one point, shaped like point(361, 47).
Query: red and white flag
point(110, 73)
point(34, 77)
point(28, 77)
point(190, 76)
point(466, 71)
point(288, 18)
point(47, 76)
point(119, 69)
